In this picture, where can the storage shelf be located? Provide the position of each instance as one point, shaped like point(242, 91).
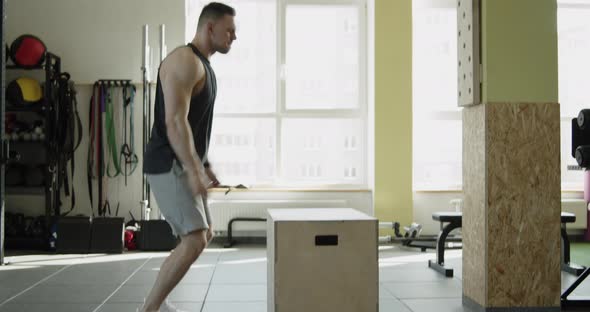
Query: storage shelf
point(12, 66)
point(25, 190)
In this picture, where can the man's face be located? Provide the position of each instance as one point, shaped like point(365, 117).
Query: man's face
point(223, 33)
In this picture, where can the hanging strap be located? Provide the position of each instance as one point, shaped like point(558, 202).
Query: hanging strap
point(128, 158)
point(111, 140)
point(91, 159)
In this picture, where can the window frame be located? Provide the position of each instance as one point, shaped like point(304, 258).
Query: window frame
point(281, 111)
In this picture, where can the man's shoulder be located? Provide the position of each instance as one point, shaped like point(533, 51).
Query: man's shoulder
point(183, 55)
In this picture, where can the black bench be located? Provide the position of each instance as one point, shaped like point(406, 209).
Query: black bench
point(454, 221)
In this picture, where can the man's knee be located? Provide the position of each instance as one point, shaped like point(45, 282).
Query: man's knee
point(195, 242)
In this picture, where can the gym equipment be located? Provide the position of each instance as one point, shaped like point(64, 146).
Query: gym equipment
point(128, 158)
point(155, 235)
point(583, 119)
point(24, 91)
point(73, 235)
point(15, 175)
point(67, 135)
point(107, 235)
point(338, 248)
point(28, 51)
point(413, 238)
point(102, 108)
point(454, 221)
point(34, 176)
point(580, 151)
point(147, 118)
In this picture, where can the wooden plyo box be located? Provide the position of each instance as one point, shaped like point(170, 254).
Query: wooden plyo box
point(322, 260)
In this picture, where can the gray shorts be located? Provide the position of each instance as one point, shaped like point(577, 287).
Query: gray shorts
point(184, 212)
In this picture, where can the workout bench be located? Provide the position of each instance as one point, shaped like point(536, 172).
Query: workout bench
point(454, 220)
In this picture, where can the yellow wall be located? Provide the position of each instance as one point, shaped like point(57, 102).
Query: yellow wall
point(393, 110)
point(519, 38)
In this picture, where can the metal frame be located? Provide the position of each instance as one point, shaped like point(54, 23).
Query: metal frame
point(574, 304)
point(230, 240)
point(439, 264)
point(3, 147)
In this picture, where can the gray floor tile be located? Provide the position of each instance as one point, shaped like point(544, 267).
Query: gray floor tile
point(88, 276)
point(390, 305)
point(259, 306)
point(384, 293)
point(439, 305)
point(138, 293)
point(8, 290)
point(26, 274)
point(130, 293)
point(238, 273)
point(413, 275)
point(189, 293)
point(449, 288)
point(63, 294)
point(42, 307)
point(237, 292)
point(204, 261)
point(244, 254)
point(133, 306)
point(120, 307)
point(195, 275)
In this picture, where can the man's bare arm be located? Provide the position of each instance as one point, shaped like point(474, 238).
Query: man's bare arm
point(179, 75)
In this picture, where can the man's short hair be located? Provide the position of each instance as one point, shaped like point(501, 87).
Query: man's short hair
point(214, 11)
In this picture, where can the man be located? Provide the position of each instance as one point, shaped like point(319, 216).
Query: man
point(175, 161)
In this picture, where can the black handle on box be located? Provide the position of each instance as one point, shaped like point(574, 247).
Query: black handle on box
point(326, 240)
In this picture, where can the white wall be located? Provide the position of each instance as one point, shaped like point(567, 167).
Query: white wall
point(97, 39)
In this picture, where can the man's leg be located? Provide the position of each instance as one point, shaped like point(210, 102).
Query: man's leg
point(175, 267)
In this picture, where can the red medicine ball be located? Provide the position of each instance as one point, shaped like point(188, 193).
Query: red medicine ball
point(28, 51)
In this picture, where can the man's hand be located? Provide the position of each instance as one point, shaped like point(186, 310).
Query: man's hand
point(209, 233)
point(212, 177)
point(196, 184)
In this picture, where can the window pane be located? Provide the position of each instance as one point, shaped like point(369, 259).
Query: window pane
point(333, 154)
point(246, 76)
point(438, 155)
point(322, 57)
point(437, 125)
point(243, 150)
point(574, 63)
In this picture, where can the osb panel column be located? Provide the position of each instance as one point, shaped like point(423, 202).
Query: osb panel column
point(512, 206)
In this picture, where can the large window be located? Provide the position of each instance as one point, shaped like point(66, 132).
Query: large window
point(437, 129)
point(437, 120)
point(573, 29)
point(291, 106)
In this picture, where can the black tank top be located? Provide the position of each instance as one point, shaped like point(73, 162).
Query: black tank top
point(159, 154)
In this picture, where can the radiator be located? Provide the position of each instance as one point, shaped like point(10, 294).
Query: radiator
point(222, 211)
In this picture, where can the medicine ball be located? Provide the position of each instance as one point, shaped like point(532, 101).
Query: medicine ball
point(24, 91)
point(28, 51)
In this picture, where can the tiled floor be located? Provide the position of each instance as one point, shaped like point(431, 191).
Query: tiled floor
point(222, 280)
